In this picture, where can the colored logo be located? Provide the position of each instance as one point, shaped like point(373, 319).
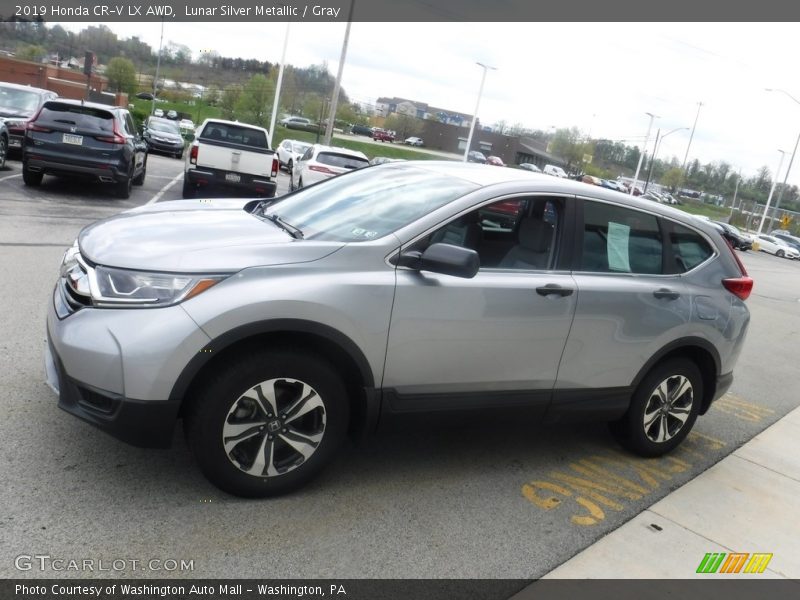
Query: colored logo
point(736, 562)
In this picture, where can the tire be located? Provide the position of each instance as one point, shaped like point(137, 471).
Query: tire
point(139, 179)
point(123, 188)
point(289, 166)
point(189, 190)
point(779, 254)
point(179, 155)
point(300, 183)
point(31, 178)
point(291, 182)
point(665, 430)
point(3, 151)
point(247, 390)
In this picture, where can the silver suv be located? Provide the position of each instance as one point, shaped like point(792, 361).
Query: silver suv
point(275, 327)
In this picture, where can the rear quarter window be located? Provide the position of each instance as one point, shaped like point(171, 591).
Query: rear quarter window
point(689, 248)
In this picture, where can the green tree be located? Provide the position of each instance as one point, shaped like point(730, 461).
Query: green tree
point(566, 143)
point(673, 178)
point(121, 75)
point(31, 52)
point(229, 99)
point(254, 105)
point(404, 125)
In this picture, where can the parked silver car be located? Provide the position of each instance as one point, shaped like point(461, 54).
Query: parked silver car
point(275, 327)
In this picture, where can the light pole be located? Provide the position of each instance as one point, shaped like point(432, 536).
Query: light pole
point(644, 149)
point(158, 66)
point(691, 137)
point(477, 106)
point(337, 85)
point(277, 99)
point(655, 152)
point(791, 160)
point(772, 190)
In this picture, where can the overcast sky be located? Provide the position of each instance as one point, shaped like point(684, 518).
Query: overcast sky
point(599, 77)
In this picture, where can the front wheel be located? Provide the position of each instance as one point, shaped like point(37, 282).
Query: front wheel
point(289, 166)
point(267, 423)
point(663, 409)
point(779, 254)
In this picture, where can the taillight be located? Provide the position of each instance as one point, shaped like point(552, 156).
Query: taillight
point(274, 167)
point(34, 127)
point(193, 155)
point(738, 286)
point(321, 169)
point(116, 138)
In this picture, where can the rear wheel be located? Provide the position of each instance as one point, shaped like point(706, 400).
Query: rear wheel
point(139, 179)
point(123, 188)
point(268, 422)
point(289, 166)
point(663, 409)
point(189, 190)
point(31, 178)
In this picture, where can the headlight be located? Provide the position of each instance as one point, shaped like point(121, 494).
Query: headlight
point(70, 259)
point(121, 287)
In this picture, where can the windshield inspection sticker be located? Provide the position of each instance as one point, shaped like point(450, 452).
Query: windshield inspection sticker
point(618, 258)
point(364, 232)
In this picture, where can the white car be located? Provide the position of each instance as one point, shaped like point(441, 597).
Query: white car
point(414, 141)
point(773, 245)
point(554, 171)
point(289, 152)
point(295, 122)
point(322, 162)
point(530, 167)
point(186, 125)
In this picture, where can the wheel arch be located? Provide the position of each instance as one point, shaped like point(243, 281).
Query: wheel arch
point(699, 351)
point(327, 342)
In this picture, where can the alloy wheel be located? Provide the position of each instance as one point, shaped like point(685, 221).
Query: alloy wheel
point(668, 408)
point(274, 427)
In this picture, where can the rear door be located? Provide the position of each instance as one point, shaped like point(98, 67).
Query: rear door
point(631, 300)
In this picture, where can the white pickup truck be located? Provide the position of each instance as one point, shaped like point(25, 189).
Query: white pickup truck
point(231, 156)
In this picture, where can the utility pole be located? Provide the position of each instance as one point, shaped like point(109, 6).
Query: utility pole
point(691, 137)
point(158, 66)
point(772, 189)
point(477, 106)
point(278, 87)
point(644, 149)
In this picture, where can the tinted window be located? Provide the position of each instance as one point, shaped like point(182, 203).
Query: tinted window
point(341, 160)
point(82, 117)
point(234, 134)
point(688, 247)
point(367, 204)
point(620, 240)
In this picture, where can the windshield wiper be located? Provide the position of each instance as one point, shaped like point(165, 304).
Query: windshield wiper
point(287, 227)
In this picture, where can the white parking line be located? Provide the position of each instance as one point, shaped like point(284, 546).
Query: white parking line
point(164, 189)
point(10, 176)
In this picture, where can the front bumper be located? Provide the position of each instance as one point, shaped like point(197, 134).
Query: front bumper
point(165, 146)
point(145, 424)
point(117, 368)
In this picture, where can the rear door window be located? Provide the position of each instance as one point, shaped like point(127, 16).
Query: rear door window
point(617, 239)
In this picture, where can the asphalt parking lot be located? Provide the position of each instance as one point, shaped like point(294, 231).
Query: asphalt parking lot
point(497, 500)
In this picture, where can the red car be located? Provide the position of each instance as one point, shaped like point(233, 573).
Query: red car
point(383, 135)
point(495, 160)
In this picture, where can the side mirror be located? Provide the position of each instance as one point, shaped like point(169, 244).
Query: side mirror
point(445, 259)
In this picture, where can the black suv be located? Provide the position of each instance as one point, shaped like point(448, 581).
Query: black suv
point(71, 138)
point(737, 239)
point(18, 105)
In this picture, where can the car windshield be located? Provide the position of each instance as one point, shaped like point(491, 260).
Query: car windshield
point(18, 101)
point(167, 126)
point(300, 148)
point(369, 203)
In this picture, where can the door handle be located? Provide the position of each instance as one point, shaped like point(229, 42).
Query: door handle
point(553, 289)
point(666, 293)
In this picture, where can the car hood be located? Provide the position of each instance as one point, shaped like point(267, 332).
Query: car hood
point(193, 237)
point(167, 135)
